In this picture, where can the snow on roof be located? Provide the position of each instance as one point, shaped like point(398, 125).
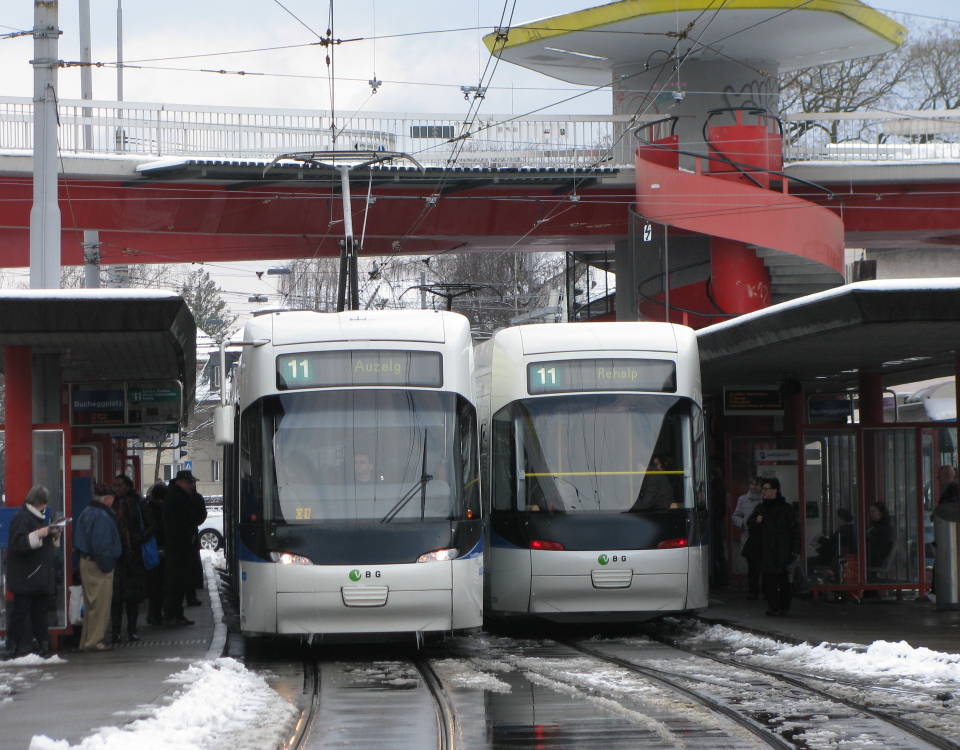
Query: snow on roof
point(883, 285)
point(87, 294)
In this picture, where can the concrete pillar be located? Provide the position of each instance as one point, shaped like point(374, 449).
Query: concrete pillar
point(626, 295)
point(654, 87)
point(739, 282)
point(18, 433)
point(45, 214)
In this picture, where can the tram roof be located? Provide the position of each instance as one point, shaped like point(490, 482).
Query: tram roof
point(905, 330)
point(105, 335)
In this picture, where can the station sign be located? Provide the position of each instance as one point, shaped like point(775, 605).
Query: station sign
point(776, 455)
point(830, 409)
point(756, 401)
point(127, 404)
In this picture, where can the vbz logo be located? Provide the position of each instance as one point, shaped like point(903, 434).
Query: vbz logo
point(607, 559)
point(355, 575)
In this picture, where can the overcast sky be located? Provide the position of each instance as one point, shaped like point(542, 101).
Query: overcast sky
point(424, 51)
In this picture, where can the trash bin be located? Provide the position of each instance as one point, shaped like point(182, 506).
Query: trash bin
point(946, 571)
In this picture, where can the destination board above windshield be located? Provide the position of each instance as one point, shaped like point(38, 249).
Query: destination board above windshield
point(576, 375)
point(359, 367)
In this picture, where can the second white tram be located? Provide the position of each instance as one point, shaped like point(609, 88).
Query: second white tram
point(595, 473)
point(352, 494)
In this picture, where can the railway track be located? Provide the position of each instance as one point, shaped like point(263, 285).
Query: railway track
point(803, 681)
point(860, 720)
point(320, 722)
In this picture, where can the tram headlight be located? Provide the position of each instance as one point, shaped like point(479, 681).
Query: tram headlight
point(287, 558)
point(439, 555)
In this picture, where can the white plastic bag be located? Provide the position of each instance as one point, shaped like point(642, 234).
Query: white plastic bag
point(76, 605)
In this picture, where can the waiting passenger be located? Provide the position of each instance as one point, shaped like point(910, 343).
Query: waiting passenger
point(774, 521)
point(749, 546)
point(949, 492)
point(879, 537)
point(30, 575)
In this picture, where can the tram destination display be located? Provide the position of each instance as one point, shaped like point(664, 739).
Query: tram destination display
point(579, 375)
point(359, 367)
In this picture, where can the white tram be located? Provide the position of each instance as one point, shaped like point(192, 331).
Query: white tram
point(351, 496)
point(595, 474)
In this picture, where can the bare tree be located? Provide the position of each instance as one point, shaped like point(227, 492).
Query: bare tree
point(311, 284)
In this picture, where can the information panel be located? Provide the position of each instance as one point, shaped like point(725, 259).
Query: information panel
point(575, 375)
point(153, 403)
point(129, 404)
point(359, 367)
point(760, 400)
point(97, 405)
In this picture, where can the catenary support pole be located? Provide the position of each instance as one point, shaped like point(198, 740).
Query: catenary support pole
point(45, 214)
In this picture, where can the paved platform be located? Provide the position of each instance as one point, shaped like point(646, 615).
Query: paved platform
point(89, 690)
point(918, 623)
point(71, 700)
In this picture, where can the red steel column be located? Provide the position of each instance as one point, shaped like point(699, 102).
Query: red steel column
point(18, 405)
point(739, 281)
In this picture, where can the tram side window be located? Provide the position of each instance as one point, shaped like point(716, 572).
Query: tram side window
point(469, 469)
point(504, 461)
point(251, 462)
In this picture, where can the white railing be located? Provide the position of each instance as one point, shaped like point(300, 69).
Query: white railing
point(246, 132)
point(108, 127)
point(874, 136)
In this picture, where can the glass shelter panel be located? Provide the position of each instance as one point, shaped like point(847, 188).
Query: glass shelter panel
point(830, 498)
point(48, 463)
point(890, 527)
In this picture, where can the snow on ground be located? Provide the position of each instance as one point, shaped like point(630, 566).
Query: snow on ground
point(16, 675)
point(220, 704)
point(914, 666)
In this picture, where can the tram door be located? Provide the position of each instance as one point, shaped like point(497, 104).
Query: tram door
point(830, 487)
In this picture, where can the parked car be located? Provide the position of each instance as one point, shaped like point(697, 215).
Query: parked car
point(211, 530)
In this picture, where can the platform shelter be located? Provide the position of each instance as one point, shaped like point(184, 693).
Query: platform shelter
point(800, 391)
point(85, 372)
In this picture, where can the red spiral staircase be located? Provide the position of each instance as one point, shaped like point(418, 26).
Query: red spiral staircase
point(766, 245)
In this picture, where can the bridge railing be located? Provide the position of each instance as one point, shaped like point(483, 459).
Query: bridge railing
point(239, 132)
point(109, 127)
point(874, 136)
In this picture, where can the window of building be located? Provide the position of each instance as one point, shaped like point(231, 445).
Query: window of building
point(214, 471)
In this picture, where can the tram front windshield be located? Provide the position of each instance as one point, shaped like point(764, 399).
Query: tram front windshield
point(599, 453)
point(390, 456)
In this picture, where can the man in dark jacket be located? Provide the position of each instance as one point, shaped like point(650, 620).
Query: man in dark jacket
point(97, 542)
point(180, 520)
point(30, 574)
point(775, 524)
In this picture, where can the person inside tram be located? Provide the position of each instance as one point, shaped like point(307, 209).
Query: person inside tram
point(657, 491)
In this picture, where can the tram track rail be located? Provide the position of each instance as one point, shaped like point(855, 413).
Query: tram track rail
point(308, 711)
point(446, 714)
point(904, 725)
point(768, 737)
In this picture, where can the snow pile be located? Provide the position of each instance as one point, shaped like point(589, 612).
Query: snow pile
point(220, 704)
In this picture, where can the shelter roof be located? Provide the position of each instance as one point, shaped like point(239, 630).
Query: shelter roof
point(586, 46)
point(105, 335)
point(905, 330)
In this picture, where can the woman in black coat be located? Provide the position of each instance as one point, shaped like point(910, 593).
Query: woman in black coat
point(130, 575)
point(774, 521)
point(30, 574)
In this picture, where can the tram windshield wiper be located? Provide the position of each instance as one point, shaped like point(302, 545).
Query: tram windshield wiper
point(407, 497)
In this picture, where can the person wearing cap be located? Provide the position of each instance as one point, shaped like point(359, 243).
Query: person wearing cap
point(96, 541)
point(180, 520)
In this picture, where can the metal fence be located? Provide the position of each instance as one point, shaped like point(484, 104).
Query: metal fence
point(107, 127)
